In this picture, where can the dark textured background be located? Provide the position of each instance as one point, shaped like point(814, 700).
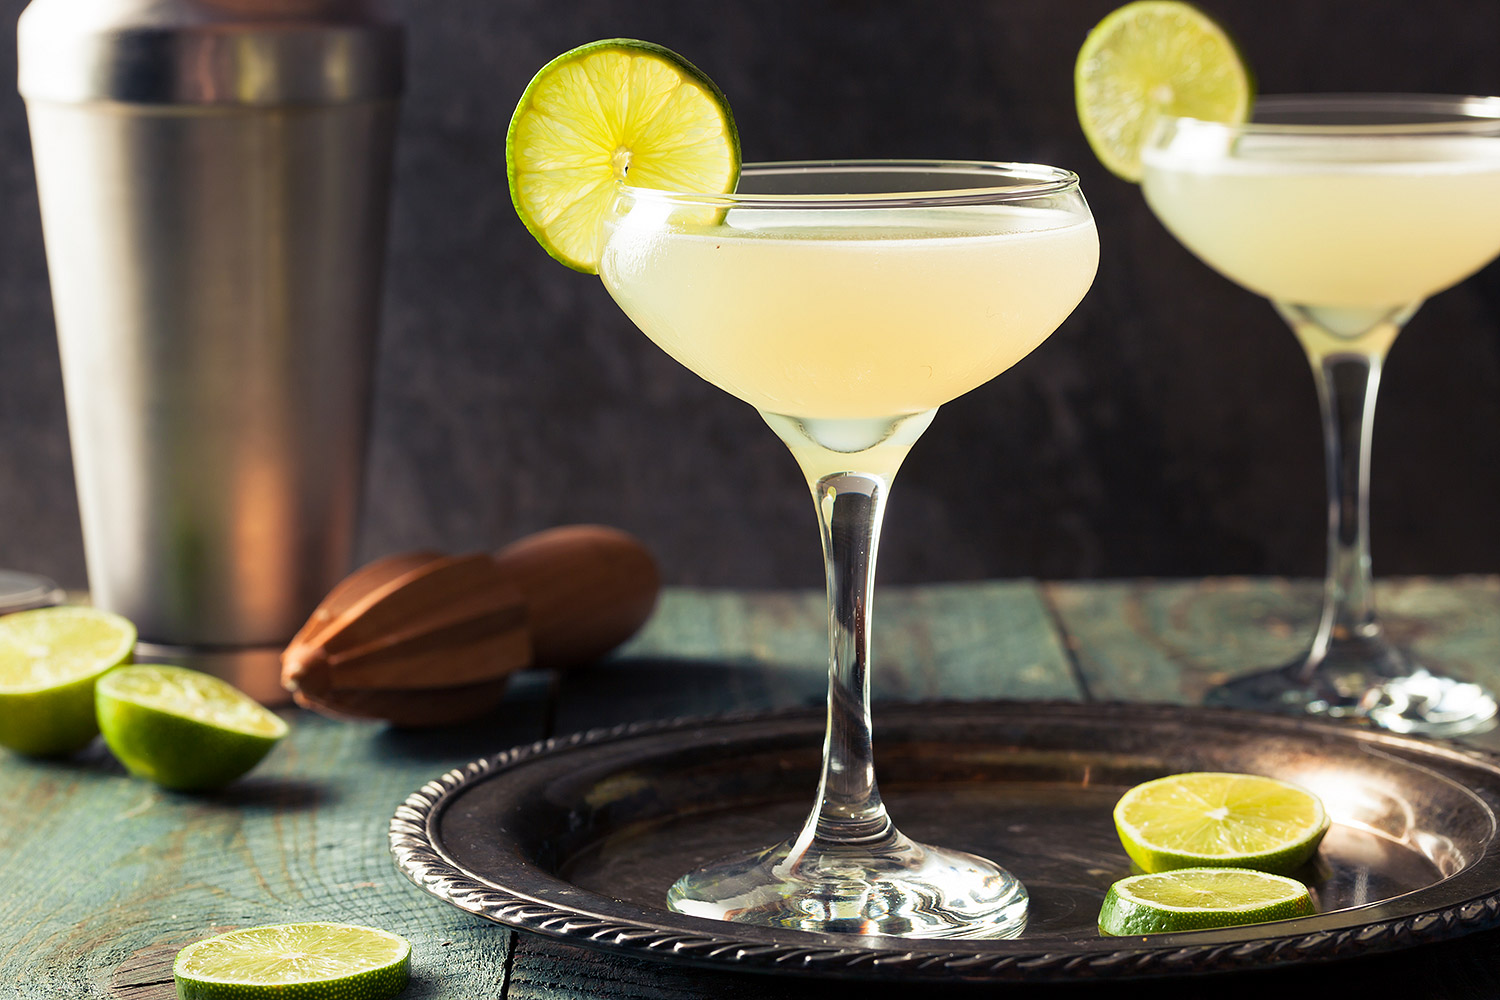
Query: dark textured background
point(1169, 428)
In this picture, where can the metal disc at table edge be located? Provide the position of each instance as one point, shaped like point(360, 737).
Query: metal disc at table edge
point(578, 837)
point(26, 591)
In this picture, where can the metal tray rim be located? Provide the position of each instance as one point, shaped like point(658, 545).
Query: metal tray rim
point(661, 934)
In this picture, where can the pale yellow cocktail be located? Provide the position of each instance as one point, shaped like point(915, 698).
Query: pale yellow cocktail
point(1330, 220)
point(859, 313)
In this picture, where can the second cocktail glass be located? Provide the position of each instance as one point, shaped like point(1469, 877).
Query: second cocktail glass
point(1346, 211)
point(846, 301)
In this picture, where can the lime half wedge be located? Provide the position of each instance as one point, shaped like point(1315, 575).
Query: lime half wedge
point(1193, 899)
point(50, 659)
point(1212, 818)
point(183, 729)
point(1149, 58)
point(312, 961)
point(605, 111)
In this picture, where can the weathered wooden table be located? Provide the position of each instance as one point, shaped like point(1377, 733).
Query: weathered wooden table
point(104, 877)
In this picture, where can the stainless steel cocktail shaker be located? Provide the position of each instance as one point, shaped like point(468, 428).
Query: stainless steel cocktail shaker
point(214, 178)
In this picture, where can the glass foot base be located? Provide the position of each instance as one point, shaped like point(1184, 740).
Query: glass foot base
point(1365, 679)
point(895, 887)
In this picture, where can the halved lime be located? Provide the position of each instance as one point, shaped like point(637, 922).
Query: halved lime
point(1212, 818)
point(601, 112)
point(49, 661)
point(1192, 899)
point(312, 961)
point(1149, 58)
point(183, 729)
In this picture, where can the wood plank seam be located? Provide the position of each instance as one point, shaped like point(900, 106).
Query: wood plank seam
point(1075, 668)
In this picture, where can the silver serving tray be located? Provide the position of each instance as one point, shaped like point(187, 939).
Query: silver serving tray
point(579, 837)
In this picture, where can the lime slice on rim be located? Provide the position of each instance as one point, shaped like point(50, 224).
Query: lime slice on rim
point(1210, 818)
point(601, 112)
point(49, 661)
point(310, 961)
point(1192, 899)
point(183, 729)
point(1149, 58)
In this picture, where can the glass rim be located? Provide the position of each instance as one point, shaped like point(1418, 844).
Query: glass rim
point(1028, 181)
point(1471, 114)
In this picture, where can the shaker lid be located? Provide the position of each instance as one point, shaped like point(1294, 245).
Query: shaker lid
point(214, 52)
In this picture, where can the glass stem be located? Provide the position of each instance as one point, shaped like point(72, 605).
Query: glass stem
point(1347, 349)
point(851, 506)
point(1347, 386)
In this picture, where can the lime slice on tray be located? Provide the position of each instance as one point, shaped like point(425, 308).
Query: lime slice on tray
point(50, 659)
point(1192, 899)
point(1210, 818)
point(1149, 58)
point(183, 729)
point(604, 111)
point(311, 961)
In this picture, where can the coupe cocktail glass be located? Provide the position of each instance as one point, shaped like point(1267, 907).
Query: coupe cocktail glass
point(846, 301)
point(1346, 211)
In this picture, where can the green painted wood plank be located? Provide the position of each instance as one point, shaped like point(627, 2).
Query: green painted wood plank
point(710, 651)
point(102, 877)
point(105, 876)
point(1172, 640)
point(970, 641)
point(705, 651)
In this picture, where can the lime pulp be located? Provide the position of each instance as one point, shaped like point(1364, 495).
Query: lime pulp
point(311, 961)
point(183, 729)
point(50, 660)
point(1212, 818)
point(600, 112)
point(1191, 899)
point(1150, 58)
